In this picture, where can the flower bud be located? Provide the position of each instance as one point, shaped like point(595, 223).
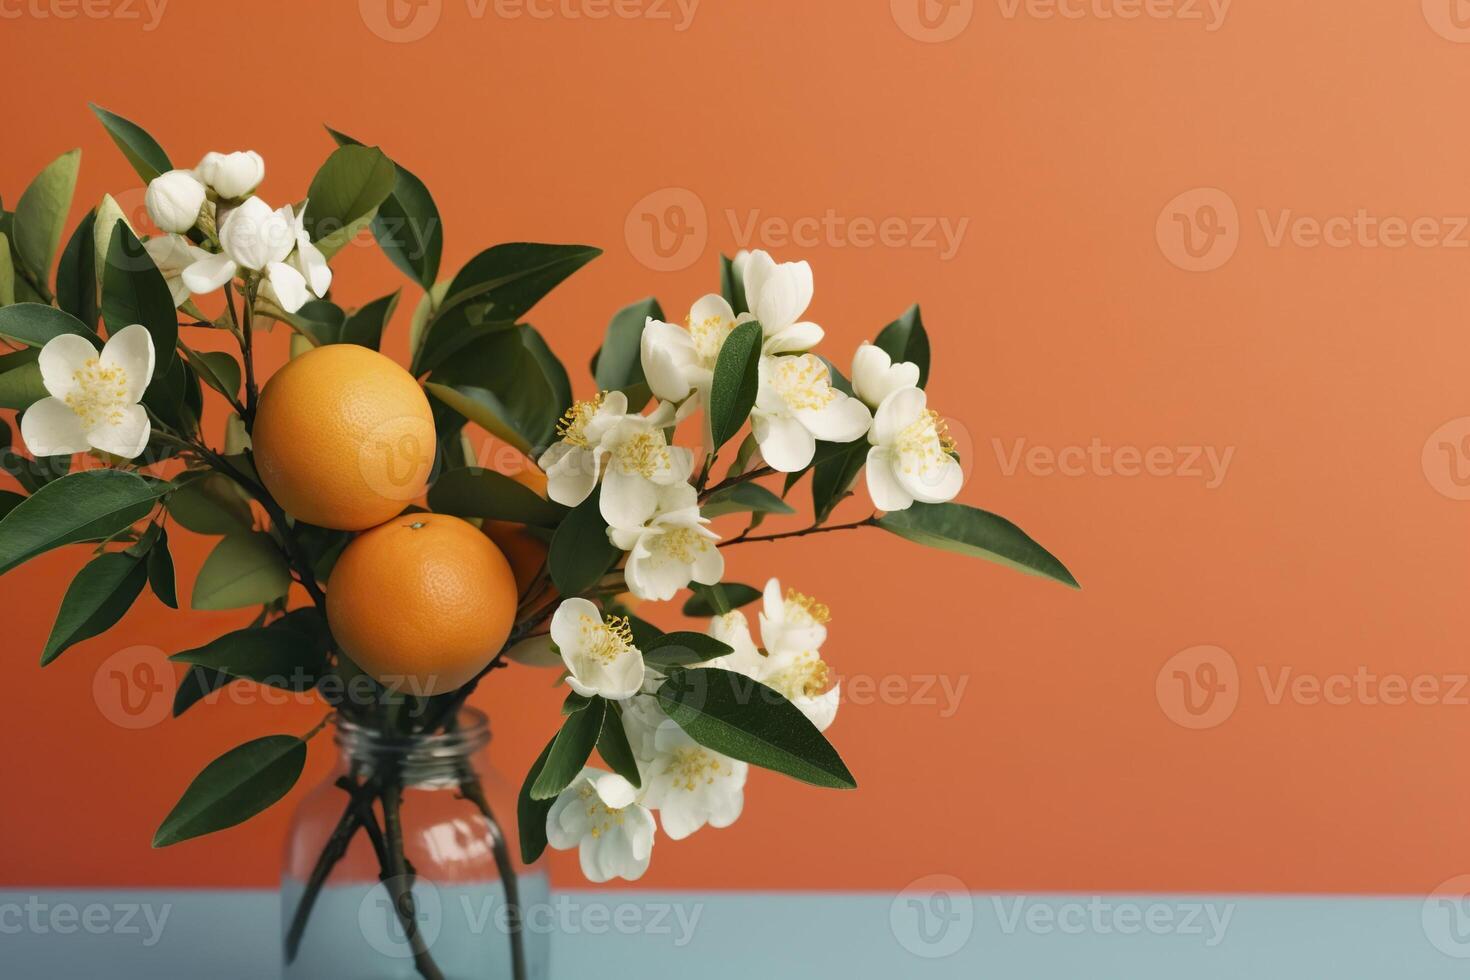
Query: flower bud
point(255, 236)
point(232, 175)
point(173, 200)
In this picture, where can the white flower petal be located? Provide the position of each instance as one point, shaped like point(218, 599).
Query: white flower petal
point(821, 710)
point(897, 412)
point(615, 791)
point(131, 350)
point(50, 428)
point(289, 285)
point(566, 626)
point(932, 483)
point(709, 566)
point(126, 436)
point(883, 486)
point(843, 419)
point(60, 359)
point(795, 338)
point(209, 274)
point(571, 473)
point(628, 499)
point(174, 200)
point(312, 264)
point(785, 443)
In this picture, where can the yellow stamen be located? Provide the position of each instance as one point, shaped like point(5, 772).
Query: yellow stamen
point(101, 394)
point(803, 607)
point(573, 425)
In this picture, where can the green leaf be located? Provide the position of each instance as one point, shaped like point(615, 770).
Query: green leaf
point(484, 409)
point(134, 291)
point(732, 286)
point(683, 649)
point(519, 405)
point(235, 787)
point(551, 368)
point(745, 498)
point(9, 500)
point(365, 326)
point(407, 225)
point(7, 272)
point(531, 813)
point(346, 191)
point(736, 378)
point(703, 604)
point(76, 276)
point(40, 215)
point(833, 478)
point(217, 369)
point(620, 361)
point(161, 578)
point(580, 552)
point(96, 599)
point(968, 531)
point(906, 340)
point(738, 717)
point(81, 506)
point(570, 750)
point(210, 504)
point(498, 286)
point(33, 324)
point(142, 151)
point(242, 570)
point(22, 387)
point(475, 492)
point(276, 655)
point(612, 745)
point(198, 683)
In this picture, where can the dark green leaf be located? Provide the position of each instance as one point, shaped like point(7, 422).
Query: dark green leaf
point(210, 504)
point(322, 320)
point(906, 340)
point(736, 378)
point(276, 655)
point(235, 787)
point(407, 225)
point(612, 745)
point(580, 551)
point(22, 387)
point(500, 285)
point(365, 326)
point(96, 599)
point(745, 498)
point(833, 478)
point(82, 506)
point(531, 813)
point(33, 324)
point(475, 492)
point(683, 649)
point(552, 368)
point(142, 151)
point(619, 361)
point(134, 291)
point(574, 702)
point(733, 595)
point(346, 191)
point(161, 576)
point(570, 750)
point(198, 684)
point(968, 531)
point(9, 500)
point(735, 716)
point(76, 276)
point(217, 369)
point(732, 286)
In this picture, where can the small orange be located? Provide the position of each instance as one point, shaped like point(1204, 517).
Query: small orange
point(422, 603)
point(344, 437)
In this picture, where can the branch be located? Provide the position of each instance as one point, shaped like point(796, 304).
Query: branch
point(733, 481)
point(399, 883)
point(869, 521)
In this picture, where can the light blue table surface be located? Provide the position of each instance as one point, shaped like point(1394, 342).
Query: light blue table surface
point(925, 932)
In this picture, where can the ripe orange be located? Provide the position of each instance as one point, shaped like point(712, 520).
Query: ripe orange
point(344, 437)
point(525, 552)
point(422, 603)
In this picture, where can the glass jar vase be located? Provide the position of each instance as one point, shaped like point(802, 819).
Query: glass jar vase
point(451, 906)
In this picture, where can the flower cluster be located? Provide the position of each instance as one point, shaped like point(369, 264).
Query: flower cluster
point(688, 785)
point(215, 202)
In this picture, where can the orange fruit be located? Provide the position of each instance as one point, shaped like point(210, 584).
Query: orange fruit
point(525, 552)
point(422, 603)
point(344, 437)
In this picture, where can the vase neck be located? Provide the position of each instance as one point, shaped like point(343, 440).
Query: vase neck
point(417, 760)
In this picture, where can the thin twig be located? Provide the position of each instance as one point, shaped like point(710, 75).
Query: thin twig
point(470, 789)
point(870, 521)
point(400, 882)
point(734, 481)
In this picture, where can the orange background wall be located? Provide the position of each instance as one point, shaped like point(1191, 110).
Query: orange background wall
point(1061, 319)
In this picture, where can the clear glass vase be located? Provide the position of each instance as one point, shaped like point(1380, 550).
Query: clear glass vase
point(453, 907)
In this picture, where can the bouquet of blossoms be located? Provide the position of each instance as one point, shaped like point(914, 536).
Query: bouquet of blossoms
point(390, 574)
